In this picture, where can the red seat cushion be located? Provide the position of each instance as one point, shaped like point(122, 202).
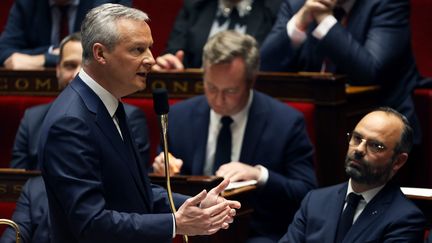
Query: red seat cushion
point(12, 108)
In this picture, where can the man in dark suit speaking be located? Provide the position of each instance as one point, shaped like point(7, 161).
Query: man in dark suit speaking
point(369, 207)
point(239, 133)
point(98, 189)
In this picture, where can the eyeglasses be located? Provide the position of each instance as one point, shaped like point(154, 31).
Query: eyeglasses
point(372, 146)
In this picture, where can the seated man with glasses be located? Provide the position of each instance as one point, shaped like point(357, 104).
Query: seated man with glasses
point(370, 207)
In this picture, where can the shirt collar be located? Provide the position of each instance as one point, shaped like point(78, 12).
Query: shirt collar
point(243, 7)
point(238, 115)
point(72, 2)
point(110, 102)
point(367, 195)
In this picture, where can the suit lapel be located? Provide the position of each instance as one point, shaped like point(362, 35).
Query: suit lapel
point(200, 123)
point(105, 123)
point(372, 212)
point(337, 210)
point(256, 122)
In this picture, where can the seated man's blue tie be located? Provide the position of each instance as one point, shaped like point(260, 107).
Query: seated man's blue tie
point(346, 220)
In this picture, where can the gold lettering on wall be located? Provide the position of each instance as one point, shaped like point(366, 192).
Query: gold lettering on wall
point(22, 84)
point(158, 84)
point(3, 188)
point(199, 87)
point(16, 189)
point(43, 84)
point(180, 87)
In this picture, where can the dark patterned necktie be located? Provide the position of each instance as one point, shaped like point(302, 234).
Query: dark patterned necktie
point(346, 219)
point(223, 146)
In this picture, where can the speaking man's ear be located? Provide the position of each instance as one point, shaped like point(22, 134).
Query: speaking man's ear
point(99, 51)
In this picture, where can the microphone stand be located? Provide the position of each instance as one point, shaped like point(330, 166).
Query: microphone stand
point(164, 127)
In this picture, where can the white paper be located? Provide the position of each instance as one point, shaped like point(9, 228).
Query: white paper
point(238, 184)
point(415, 191)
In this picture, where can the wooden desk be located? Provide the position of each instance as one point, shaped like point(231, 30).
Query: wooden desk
point(12, 181)
point(337, 107)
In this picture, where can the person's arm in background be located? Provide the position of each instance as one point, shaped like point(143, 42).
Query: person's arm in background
point(277, 50)
point(14, 49)
point(383, 51)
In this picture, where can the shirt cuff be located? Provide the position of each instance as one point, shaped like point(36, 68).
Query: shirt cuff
point(296, 35)
point(174, 226)
point(324, 27)
point(264, 174)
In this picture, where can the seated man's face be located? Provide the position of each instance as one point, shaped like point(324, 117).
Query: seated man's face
point(371, 153)
point(226, 88)
point(70, 63)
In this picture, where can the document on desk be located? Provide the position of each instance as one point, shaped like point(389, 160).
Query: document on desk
point(238, 184)
point(415, 191)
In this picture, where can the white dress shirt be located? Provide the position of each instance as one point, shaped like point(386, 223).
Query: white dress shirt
point(367, 197)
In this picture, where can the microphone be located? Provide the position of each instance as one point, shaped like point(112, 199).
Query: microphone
point(161, 107)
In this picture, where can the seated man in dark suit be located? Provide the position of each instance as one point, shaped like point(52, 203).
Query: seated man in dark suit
point(369, 41)
point(370, 207)
point(199, 20)
point(266, 140)
point(35, 28)
point(31, 214)
point(24, 154)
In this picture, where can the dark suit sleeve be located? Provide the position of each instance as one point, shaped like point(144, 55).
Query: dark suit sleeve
point(276, 51)
point(298, 175)
point(14, 37)
point(177, 38)
point(297, 229)
point(407, 227)
point(387, 39)
point(21, 216)
point(20, 151)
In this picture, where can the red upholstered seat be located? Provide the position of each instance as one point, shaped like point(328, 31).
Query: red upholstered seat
point(12, 109)
point(423, 106)
point(6, 211)
point(421, 17)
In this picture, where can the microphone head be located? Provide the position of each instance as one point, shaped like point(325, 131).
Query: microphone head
point(160, 101)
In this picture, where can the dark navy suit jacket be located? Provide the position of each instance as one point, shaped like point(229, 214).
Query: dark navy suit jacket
point(97, 189)
point(374, 48)
point(24, 154)
point(28, 29)
point(194, 21)
point(31, 214)
point(388, 217)
point(275, 137)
